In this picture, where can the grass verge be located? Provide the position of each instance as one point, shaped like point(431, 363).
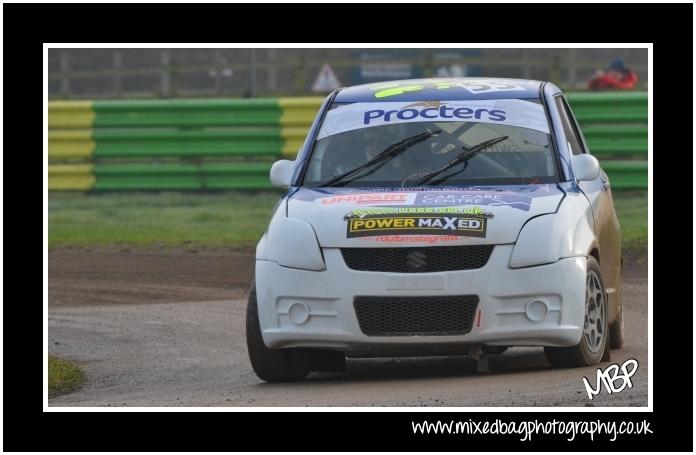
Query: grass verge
point(63, 376)
point(632, 210)
point(158, 219)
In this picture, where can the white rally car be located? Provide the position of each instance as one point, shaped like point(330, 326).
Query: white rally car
point(434, 217)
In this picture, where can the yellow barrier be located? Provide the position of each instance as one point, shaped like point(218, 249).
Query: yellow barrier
point(293, 138)
point(70, 177)
point(70, 114)
point(299, 111)
point(70, 144)
point(298, 115)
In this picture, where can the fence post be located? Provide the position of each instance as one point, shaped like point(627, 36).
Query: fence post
point(526, 65)
point(218, 71)
point(165, 74)
point(272, 71)
point(428, 64)
point(555, 70)
point(300, 76)
point(64, 76)
point(118, 66)
point(253, 73)
point(571, 62)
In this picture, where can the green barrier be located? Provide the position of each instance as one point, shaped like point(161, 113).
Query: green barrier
point(614, 123)
point(203, 130)
point(187, 113)
point(188, 144)
point(610, 107)
point(175, 176)
point(627, 175)
point(617, 140)
point(197, 144)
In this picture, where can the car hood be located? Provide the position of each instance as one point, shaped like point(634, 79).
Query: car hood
point(348, 217)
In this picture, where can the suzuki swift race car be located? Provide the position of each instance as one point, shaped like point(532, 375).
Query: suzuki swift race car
point(437, 217)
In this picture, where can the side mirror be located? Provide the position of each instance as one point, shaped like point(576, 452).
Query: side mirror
point(281, 173)
point(585, 167)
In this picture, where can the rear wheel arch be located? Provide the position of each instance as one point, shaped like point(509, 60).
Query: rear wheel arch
point(594, 252)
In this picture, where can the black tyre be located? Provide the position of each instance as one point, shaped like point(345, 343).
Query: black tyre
point(271, 365)
point(593, 342)
point(616, 330)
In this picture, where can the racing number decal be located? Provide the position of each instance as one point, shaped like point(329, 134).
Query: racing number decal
point(488, 87)
point(385, 92)
point(476, 87)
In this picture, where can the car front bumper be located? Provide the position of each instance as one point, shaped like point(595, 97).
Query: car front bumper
point(301, 308)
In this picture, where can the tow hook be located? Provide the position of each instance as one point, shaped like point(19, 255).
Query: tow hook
point(481, 359)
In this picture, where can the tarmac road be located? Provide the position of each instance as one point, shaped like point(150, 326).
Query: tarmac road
point(158, 329)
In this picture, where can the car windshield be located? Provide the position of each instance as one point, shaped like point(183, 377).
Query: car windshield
point(433, 143)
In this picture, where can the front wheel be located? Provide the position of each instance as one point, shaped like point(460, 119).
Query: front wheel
point(272, 365)
point(595, 333)
point(280, 365)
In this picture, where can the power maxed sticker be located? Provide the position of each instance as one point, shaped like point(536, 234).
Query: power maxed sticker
point(432, 223)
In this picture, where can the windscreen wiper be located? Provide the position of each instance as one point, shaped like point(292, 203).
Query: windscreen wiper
point(381, 158)
point(461, 158)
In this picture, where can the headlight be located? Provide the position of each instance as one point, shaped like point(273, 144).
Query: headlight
point(292, 243)
point(547, 238)
point(538, 243)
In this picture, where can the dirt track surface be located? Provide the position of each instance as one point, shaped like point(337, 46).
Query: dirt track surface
point(166, 328)
point(77, 277)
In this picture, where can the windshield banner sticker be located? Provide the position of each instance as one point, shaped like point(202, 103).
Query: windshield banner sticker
point(434, 224)
point(355, 116)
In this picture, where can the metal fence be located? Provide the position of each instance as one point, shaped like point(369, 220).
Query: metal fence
point(175, 73)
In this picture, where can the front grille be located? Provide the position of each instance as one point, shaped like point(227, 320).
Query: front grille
point(390, 316)
point(417, 260)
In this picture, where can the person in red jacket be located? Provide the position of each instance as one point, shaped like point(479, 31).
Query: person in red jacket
point(617, 77)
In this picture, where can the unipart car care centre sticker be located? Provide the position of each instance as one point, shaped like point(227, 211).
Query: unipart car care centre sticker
point(489, 198)
point(371, 199)
point(511, 112)
point(433, 224)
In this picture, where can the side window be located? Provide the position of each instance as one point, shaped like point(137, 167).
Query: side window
point(569, 127)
